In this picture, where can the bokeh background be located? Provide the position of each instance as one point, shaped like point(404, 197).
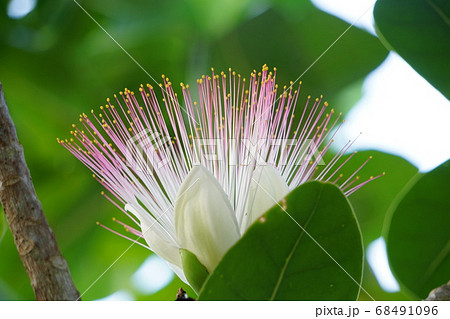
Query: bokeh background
point(56, 63)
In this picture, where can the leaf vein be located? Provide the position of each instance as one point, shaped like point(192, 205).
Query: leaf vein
point(439, 11)
point(291, 253)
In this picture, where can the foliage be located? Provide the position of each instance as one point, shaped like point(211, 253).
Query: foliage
point(418, 238)
point(419, 31)
point(56, 63)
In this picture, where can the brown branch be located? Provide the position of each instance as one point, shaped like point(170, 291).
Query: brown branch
point(48, 270)
point(441, 293)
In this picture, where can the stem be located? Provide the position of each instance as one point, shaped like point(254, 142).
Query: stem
point(48, 270)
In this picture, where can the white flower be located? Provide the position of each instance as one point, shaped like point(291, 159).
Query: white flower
point(231, 157)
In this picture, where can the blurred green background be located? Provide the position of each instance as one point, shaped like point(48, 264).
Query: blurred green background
point(56, 63)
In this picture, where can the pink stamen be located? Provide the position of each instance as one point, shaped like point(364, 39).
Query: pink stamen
point(243, 121)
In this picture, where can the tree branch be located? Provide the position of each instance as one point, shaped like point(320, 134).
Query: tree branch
point(48, 270)
point(441, 293)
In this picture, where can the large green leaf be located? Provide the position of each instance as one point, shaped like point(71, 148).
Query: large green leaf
point(372, 202)
point(418, 30)
point(277, 259)
point(418, 238)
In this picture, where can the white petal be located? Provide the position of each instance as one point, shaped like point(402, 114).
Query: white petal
point(179, 272)
point(160, 246)
point(204, 220)
point(157, 243)
point(266, 189)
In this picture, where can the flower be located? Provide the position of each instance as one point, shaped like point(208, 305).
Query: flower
point(196, 176)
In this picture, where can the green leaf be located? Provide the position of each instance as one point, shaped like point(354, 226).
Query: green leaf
point(195, 272)
point(372, 201)
point(276, 259)
point(418, 238)
point(419, 31)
